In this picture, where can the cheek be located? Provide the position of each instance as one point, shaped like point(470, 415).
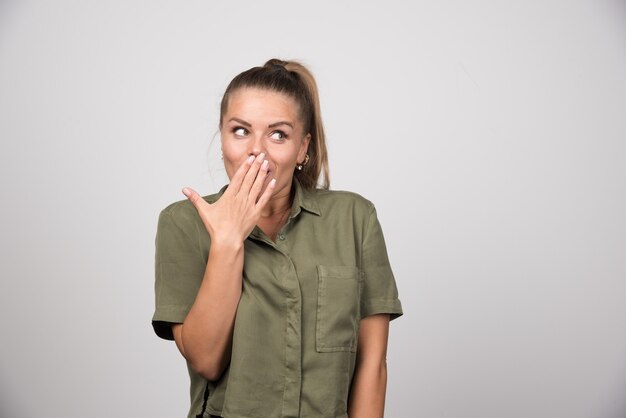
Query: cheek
point(284, 157)
point(233, 156)
point(282, 167)
point(231, 162)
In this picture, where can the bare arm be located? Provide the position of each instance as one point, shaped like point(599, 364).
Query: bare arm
point(367, 395)
point(205, 337)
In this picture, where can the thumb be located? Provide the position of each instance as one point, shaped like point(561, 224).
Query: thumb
point(193, 197)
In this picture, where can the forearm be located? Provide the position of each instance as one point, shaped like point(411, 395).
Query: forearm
point(206, 334)
point(367, 396)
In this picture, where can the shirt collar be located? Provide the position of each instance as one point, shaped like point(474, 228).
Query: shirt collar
point(304, 199)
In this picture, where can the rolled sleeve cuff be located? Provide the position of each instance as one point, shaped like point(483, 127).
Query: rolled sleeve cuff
point(165, 316)
point(393, 307)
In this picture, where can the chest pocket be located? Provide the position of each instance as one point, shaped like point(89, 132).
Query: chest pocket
point(337, 308)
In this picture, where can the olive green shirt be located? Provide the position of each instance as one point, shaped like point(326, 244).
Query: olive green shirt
point(295, 335)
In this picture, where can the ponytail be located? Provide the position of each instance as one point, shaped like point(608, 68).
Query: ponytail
point(295, 80)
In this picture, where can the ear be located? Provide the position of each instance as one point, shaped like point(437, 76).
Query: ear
point(304, 147)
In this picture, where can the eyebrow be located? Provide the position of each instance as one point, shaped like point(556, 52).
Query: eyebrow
point(243, 122)
point(275, 124)
point(271, 125)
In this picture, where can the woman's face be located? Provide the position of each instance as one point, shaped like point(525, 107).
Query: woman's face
point(265, 121)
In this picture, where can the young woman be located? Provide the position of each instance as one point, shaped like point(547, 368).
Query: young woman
point(278, 292)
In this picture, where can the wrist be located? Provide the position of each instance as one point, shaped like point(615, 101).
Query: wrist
point(226, 245)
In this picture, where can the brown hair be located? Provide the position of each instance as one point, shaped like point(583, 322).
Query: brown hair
point(296, 81)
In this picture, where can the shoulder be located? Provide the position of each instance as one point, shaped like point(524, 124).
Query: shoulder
point(182, 213)
point(341, 201)
point(339, 196)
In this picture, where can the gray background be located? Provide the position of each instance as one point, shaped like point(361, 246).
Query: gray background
point(490, 135)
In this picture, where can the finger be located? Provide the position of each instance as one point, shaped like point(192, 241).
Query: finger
point(194, 198)
point(267, 194)
point(248, 180)
point(235, 181)
point(257, 186)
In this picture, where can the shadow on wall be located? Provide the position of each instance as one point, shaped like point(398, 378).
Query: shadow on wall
point(7, 410)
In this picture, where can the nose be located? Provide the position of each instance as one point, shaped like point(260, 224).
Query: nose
point(257, 146)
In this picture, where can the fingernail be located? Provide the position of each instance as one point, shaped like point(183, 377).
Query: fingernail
point(250, 159)
point(261, 156)
point(186, 191)
point(272, 183)
point(265, 164)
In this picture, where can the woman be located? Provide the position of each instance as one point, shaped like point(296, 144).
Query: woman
point(278, 293)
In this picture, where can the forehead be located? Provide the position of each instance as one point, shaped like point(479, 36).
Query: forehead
point(261, 104)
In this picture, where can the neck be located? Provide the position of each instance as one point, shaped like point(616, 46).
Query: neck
point(279, 203)
point(275, 213)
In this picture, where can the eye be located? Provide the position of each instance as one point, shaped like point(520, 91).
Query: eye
point(239, 131)
point(278, 136)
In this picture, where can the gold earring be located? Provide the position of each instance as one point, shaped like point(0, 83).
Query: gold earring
point(305, 162)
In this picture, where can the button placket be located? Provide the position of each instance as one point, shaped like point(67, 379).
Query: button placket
point(293, 337)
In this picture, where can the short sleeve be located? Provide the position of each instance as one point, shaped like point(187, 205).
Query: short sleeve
point(379, 293)
point(179, 269)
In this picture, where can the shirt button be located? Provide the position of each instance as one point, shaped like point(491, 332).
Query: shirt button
point(281, 237)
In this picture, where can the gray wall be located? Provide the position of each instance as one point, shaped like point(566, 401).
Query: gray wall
point(491, 136)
